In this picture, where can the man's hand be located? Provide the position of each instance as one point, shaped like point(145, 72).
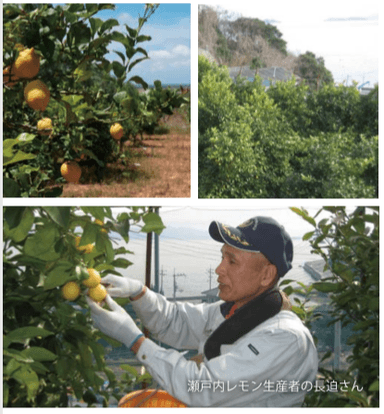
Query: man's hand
point(115, 323)
point(122, 287)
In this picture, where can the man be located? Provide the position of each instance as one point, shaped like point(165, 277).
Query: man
point(255, 352)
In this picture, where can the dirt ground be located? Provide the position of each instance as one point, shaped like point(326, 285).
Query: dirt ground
point(159, 167)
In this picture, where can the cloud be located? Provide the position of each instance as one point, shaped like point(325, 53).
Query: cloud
point(159, 54)
point(181, 50)
point(179, 55)
point(125, 18)
point(374, 17)
point(175, 52)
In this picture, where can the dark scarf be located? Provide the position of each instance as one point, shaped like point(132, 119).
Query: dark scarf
point(245, 318)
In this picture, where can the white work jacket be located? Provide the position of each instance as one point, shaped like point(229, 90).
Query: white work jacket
point(274, 365)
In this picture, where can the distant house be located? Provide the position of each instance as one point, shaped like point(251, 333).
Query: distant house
point(211, 295)
point(365, 91)
point(268, 75)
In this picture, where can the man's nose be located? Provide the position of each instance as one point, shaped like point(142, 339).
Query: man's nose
point(220, 268)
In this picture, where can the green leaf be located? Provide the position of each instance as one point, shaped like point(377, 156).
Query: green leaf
point(374, 386)
point(304, 215)
point(91, 230)
point(19, 335)
point(62, 273)
point(130, 369)
point(308, 235)
point(134, 63)
point(27, 376)
point(21, 219)
point(118, 69)
point(60, 215)
point(143, 38)
point(39, 354)
point(122, 227)
point(108, 24)
point(19, 156)
point(5, 393)
point(139, 80)
point(326, 287)
point(374, 304)
point(13, 216)
point(153, 223)
point(120, 96)
point(96, 212)
point(109, 251)
point(42, 243)
point(95, 23)
point(10, 188)
point(121, 263)
point(17, 355)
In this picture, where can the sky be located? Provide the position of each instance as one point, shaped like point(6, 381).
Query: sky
point(169, 49)
point(344, 32)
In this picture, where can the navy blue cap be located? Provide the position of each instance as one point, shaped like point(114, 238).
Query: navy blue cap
point(258, 234)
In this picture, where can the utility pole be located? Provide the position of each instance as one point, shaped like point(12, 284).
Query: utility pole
point(162, 273)
point(157, 258)
point(175, 287)
point(210, 275)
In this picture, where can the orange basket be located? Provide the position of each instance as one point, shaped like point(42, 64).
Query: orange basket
point(150, 398)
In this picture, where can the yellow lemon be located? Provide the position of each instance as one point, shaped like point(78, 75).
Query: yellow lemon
point(87, 248)
point(9, 77)
point(44, 126)
point(97, 293)
point(71, 171)
point(116, 131)
point(93, 280)
point(70, 291)
point(100, 223)
point(37, 95)
point(27, 64)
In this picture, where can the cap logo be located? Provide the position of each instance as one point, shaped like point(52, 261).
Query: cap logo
point(248, 223)
point(233, 236)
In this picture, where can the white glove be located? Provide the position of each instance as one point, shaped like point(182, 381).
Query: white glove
point(122, 287)
point(115, 323)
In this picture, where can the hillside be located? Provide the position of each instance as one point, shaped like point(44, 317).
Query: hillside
point(239, 41)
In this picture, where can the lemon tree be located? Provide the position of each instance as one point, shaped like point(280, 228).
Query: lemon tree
point(50, 348)
point(55, 66)
point(287, 141)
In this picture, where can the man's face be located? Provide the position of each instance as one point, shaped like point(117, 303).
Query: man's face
point(241, 275)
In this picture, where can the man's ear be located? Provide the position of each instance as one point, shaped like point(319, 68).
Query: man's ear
point(269, 276)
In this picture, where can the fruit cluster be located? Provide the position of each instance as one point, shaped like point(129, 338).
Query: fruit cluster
point(96, 291)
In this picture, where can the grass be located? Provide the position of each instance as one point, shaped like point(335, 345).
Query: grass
point(159, 167)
